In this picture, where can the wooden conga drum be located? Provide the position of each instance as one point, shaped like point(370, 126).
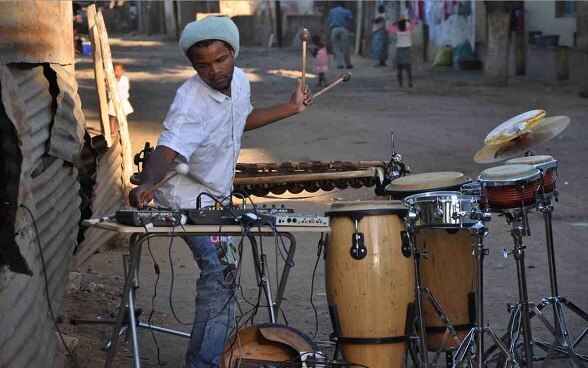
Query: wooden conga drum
point(369, 292)
point(449, 272)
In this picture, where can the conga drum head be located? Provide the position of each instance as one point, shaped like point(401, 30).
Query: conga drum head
point(426, 182)
point(509, 186)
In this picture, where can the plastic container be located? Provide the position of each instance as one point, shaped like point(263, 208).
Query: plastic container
point(87, 48)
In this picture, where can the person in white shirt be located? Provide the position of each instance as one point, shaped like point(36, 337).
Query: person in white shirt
point(203, 129)
point(124, 85)
point(403, 43)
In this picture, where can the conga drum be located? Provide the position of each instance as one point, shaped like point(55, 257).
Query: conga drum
point(448, 270)
point(547, 165)
point(369, 281)
point(426, 182)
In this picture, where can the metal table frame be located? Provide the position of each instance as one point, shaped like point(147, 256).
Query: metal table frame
point(139, 235)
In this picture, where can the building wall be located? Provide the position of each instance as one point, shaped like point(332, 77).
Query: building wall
point(540, 16)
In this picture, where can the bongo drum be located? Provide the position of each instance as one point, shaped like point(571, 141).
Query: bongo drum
point(426, 182)
point(449, 269)
point(508, 187)
point(369, 291)
point(548, 167)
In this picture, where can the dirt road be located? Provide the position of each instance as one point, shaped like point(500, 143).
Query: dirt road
point(438, 125)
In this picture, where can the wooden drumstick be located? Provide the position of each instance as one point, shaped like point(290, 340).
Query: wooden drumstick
point(304, 36)
point(345, 77)
point(180, 169)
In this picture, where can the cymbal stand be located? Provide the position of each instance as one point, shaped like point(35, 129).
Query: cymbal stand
point(563, 344)
point(465, 355)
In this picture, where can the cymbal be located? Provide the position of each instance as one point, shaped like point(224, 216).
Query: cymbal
point(543, 131)
point(514, 127)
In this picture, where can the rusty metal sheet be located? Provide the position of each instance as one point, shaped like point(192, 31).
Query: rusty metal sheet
point(36, 32)
point(67, 132)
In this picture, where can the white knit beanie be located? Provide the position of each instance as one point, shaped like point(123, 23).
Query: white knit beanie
point(210, 28)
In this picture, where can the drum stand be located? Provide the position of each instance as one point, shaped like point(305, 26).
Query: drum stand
point(465, 355)
point(522, 312)
point(563, 343)
point(422, 334)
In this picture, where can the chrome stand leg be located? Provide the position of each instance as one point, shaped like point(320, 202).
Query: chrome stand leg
point(416, 254)
point(519, 256)
point(465, 354)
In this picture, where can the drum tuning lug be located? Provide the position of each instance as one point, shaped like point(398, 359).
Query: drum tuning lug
point(438, 213)
point(458, 215)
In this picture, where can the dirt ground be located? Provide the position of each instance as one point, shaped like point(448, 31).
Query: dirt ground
point(439, 125)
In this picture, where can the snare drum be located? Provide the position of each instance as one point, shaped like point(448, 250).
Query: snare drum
point(369, 297)
point(426, 182)
point(548, 167)
point(442, 210)
point(509, 187)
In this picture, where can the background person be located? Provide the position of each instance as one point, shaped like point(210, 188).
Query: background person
point(340, 20)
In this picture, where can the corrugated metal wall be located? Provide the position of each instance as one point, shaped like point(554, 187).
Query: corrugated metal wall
point(39, 99)
point(107, 198)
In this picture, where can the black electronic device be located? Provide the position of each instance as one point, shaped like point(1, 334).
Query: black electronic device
point(150, 217)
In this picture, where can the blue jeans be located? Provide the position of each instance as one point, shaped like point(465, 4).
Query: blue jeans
point(215, 299)
point(340, 40)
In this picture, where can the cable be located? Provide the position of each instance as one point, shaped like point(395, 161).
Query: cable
point(171, 287)
point(69, 353)
point(318, 257)
point(157, 272)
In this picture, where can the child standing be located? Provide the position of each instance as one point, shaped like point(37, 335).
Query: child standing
point(123, 85)
point(321, 60)
point(403, 44)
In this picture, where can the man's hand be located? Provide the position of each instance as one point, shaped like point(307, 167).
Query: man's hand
point(300, 99)
point(140, 195)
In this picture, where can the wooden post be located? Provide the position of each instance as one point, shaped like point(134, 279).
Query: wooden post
point(115, 98)
point(99, 75)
